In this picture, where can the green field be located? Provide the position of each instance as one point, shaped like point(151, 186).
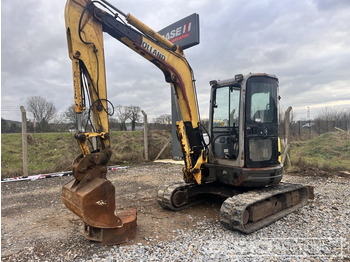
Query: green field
point(329, 151)
point(54, 152)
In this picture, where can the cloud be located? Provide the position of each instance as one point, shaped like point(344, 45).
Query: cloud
point(305, 43)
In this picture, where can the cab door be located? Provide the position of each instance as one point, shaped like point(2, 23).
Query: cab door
point(261, 129)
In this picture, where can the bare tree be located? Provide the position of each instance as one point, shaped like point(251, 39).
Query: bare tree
point(42, 110)
point(113, 123)
point(329, 118)
point(133, 115)
point(122, 115)
point(163, 119)
point(71, 117)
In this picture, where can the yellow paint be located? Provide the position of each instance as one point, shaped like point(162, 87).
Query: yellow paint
point(279, 151)
point(157, 49)
point(92, 56)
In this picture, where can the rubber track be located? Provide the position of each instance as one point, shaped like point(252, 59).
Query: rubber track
point(166, 192)
point(232, 210)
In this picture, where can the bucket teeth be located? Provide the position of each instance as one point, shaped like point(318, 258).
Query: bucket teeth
point(114, 236)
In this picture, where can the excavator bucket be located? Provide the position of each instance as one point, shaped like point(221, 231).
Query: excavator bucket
point(91, 196)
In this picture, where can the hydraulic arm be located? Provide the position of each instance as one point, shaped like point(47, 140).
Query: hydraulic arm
point(85, 24)
point(90, 195)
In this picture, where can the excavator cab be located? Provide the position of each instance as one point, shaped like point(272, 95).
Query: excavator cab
point(248, 112)
point(244, 130)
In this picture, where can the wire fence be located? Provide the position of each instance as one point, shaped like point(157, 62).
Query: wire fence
point(315, 125)
point(321, 141)
point(304, 130)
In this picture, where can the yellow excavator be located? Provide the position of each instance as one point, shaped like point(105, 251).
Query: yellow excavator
point(238, 157)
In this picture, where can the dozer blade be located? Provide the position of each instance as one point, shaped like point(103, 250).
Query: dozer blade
point(91, 196)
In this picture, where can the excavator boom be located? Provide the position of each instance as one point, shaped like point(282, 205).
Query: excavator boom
point(91, 195)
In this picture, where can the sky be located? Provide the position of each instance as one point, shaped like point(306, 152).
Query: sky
point(305, 43)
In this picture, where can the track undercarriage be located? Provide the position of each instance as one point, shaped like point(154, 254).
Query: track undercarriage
point(244, 210)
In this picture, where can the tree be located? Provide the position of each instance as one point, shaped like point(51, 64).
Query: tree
point(122, 116)
point(71, 117)
point(329, 118)
point(4, 128)
point(42, 110)
point(163, 119)
point(133, 113)
point(113, 123)
point(124, 113)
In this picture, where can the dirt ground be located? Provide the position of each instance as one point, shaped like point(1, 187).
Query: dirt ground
point(35, 225)
point(35, 221)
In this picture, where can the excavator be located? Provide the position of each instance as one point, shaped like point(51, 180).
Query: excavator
point(239, 160)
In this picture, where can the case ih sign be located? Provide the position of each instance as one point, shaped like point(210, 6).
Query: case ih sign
point(184, 32)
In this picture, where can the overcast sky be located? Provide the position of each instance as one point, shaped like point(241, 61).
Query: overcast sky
point(305, 43)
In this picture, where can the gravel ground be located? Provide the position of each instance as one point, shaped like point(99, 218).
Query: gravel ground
point(319, 231)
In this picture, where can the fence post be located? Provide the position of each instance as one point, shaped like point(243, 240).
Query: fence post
point(24, 142)
point(287, 125)
point(145, 134)
point(286, 135)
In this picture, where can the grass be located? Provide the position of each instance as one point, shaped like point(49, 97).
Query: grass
point(54, 152)
point(47, 152)
point(329, 151)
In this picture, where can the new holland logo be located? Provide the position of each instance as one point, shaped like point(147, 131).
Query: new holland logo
point(153, 50)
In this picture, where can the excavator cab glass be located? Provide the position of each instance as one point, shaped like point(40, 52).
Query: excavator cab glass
point(261, 131)
point(226, 109)
point(226, 114)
